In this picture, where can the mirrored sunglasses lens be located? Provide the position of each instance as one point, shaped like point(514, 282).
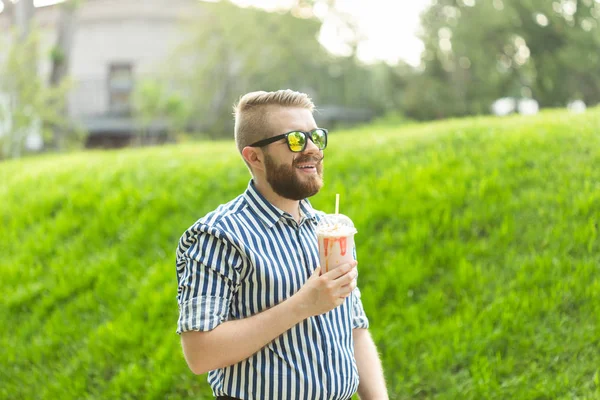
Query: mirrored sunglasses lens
point(296, 141)
point(320, 138)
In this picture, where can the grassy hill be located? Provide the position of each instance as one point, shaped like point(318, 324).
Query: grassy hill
point(478, 246)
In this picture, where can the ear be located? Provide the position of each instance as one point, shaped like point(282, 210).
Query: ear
point(254, 157)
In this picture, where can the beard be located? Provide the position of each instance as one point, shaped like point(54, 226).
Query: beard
point(286, 182)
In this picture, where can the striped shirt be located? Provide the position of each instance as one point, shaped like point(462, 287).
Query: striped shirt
point(248, 256)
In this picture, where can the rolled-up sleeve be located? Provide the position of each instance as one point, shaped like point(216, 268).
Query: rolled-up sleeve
point(359, 317)
point(207, 275)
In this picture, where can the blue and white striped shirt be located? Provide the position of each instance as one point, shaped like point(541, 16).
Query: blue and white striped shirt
point(248, 256)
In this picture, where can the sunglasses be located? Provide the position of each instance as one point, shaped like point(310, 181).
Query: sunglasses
point(296, 140)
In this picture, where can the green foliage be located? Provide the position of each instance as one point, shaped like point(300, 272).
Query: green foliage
point(230, 50)
point(153, 103)
point(27, 104)
point(479, 51)
point(57, 55)
point(478, 257)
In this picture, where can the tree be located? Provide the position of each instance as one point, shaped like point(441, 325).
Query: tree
point(155, 107)
point(477, 51)
point(23, 13)
point(232, 50)
point(28, 106)
point(61, 57)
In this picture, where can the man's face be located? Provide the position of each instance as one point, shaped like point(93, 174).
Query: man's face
point(294, 176)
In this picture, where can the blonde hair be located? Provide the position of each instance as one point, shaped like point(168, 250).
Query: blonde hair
point(251, 113)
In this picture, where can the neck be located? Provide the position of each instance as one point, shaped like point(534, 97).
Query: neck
point(290, 206)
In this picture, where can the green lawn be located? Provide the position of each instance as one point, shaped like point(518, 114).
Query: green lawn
point(478, 247)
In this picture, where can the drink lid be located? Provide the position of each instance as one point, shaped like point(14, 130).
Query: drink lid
point(336, 224)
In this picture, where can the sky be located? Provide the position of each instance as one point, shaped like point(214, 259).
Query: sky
point(388, 27)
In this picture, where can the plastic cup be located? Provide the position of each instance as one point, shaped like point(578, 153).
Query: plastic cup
point(335, 233)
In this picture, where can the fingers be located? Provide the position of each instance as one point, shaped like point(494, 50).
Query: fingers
point(347, 290)
point(346, 283)
point(349, 277)
point(316, 273)
point(341, 270)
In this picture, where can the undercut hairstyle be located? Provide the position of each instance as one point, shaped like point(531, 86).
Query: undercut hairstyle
point(251, 113)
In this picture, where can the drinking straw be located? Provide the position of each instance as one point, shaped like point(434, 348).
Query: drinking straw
point(337, 203)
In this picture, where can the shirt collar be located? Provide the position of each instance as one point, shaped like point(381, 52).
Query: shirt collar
point(268, 213)
point(308, 211)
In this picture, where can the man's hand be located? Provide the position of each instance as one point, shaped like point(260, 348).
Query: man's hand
point(321, 294)
point(236, 340)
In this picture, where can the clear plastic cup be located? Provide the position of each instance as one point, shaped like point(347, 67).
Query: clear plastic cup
point(335, 233)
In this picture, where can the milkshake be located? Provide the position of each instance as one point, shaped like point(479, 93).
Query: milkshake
point(335, 233)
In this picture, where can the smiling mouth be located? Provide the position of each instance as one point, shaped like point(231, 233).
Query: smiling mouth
point(307, 167)
point(308, 164)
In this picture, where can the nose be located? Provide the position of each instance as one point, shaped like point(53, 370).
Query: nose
point(311, 147)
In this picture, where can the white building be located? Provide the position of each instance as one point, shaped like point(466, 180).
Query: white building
point(115, 42)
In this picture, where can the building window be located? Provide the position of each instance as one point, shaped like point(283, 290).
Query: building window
point(120, 87)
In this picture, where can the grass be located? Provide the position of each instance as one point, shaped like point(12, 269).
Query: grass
point(478, 247)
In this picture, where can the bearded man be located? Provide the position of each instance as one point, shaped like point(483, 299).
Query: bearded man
point(255, 312)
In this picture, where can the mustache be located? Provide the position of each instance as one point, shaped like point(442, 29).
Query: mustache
point(316, 160)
